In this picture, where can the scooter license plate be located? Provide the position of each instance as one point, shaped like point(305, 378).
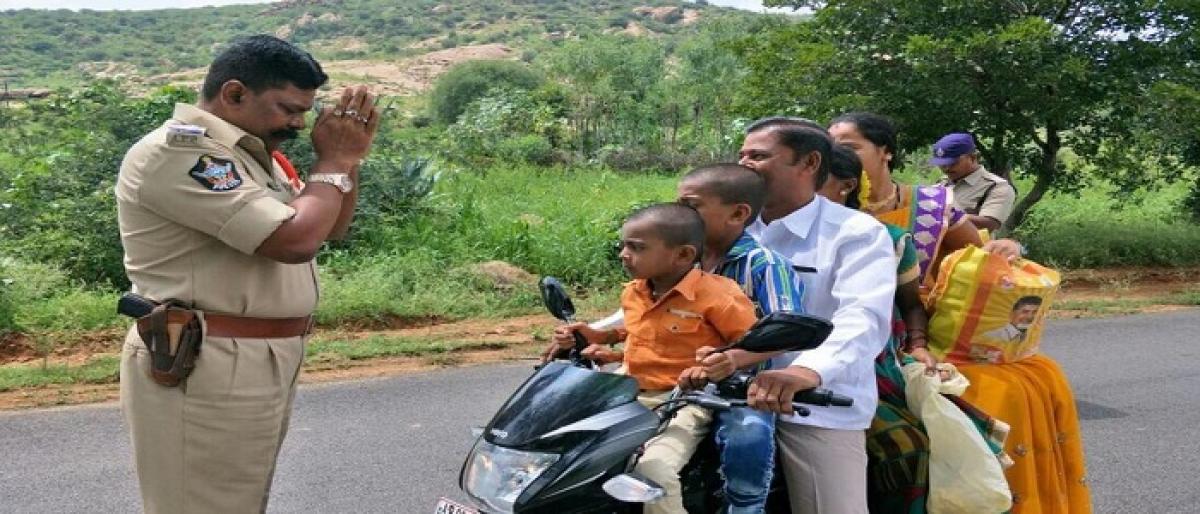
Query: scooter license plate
point(447, 506)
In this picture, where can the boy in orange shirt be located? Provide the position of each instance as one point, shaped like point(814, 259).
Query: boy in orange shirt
point(671, 309)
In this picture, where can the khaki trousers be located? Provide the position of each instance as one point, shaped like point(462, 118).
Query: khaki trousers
point(667, 453)
point(209, 445)
point(826, 469)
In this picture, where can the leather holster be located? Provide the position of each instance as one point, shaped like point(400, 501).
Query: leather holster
point(172, 333)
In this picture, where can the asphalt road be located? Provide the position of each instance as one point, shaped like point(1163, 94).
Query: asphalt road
point(396, 444)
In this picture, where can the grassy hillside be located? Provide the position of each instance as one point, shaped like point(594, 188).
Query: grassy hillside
point(50, 48)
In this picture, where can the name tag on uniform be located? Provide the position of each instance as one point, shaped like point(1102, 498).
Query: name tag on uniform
point(185, 135)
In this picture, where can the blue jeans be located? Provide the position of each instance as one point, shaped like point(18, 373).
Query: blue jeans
point(746, 439)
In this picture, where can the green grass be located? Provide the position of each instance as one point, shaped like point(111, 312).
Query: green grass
point(1094, 229)
point(319, 353)
point(102, 369)
point(1116, 306)
point(1103, 307)
point(563, 222)
point(560, 222)
point(390, 346)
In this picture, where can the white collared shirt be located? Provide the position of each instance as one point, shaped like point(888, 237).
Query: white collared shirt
point(854, 286)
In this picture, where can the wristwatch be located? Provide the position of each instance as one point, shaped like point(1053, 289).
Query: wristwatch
point(339, 180)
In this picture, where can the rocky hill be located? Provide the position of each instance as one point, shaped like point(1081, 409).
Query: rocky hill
point(402, 43)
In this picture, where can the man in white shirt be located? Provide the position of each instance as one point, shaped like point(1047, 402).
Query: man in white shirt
point(824, 454)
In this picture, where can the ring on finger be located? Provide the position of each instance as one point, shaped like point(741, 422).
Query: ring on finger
point(351, 113)
point(337, 111)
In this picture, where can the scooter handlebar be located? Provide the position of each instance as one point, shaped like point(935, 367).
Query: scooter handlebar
point(720, 404)
point(823, 397)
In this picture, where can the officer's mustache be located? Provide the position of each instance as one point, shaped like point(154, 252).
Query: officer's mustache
point(285, 134)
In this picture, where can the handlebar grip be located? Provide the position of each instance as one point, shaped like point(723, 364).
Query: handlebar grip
point(576, 352)
point(823, 397)
point(580, 341)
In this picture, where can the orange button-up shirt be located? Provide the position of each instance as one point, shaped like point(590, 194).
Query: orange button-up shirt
point(662, 336)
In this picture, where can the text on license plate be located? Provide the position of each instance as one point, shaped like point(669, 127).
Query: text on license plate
point(445, 506)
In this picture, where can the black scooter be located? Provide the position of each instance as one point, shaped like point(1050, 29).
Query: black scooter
point(568, 438)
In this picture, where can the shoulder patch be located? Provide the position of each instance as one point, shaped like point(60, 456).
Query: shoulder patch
point(185, 135)
point(215, 173)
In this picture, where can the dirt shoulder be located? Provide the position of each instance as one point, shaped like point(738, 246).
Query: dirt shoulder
point(1085, 293)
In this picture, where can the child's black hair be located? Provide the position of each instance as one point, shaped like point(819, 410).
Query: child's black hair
point(732, 183)
point(675, 224)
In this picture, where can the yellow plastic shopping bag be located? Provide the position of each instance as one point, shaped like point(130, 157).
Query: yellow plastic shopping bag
point(986, 309)
point(964, 475)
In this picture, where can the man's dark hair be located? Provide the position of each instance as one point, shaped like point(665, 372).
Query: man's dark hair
point(802, 135)
point(732, 183)
point(263, 62)
point(675, 224)
point(1027, 300)
point(844, 164)
point(878, 129)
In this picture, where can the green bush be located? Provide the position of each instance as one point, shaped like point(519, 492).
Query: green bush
point(467, 82)
point(24, 286)
point(529, 148)
point(1140, 228)
point(1099, 243)
point(394, 191)
point(638, 158)
point(8, 320)
point(506, 124)
point(58, 200)
point(40, 297)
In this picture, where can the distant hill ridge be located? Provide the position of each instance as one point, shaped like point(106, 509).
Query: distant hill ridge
point(43, 48)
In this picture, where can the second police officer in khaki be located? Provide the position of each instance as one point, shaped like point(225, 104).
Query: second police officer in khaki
point(987, 198)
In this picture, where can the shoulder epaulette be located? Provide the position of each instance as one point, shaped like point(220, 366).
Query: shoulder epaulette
point(185, 135)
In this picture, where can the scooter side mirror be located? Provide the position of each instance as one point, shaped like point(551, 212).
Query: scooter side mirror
point(633, 488)
point(784, 331)
point(554, 296)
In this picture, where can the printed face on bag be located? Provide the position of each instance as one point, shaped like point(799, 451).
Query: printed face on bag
point(1025, 311)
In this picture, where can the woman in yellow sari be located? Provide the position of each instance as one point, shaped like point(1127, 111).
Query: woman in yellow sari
point(1031, 395)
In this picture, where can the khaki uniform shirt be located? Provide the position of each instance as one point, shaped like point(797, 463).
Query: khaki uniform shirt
point(195, 199)
point(969, 190)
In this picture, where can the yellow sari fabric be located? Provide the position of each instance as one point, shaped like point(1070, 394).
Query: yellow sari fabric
point(1032, 395)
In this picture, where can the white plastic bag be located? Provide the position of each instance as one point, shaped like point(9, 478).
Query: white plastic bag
point(964, 475)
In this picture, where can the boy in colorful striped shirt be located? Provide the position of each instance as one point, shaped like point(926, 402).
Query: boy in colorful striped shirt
point(728, 198)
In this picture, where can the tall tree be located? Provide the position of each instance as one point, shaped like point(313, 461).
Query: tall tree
point(1029, 78)
point(612, 79)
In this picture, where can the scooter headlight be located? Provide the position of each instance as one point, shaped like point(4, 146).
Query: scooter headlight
point(496, 476)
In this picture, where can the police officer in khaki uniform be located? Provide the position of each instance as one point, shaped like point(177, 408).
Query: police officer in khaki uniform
point(208, 218)
point(987, 198)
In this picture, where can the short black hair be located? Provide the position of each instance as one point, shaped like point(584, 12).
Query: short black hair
point(676, 224)
point(844, 164)
point(802, 135)
point(1027, 300)
point(262, 62)
point(732, 183)
point(775, 121)
point(876, 128)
